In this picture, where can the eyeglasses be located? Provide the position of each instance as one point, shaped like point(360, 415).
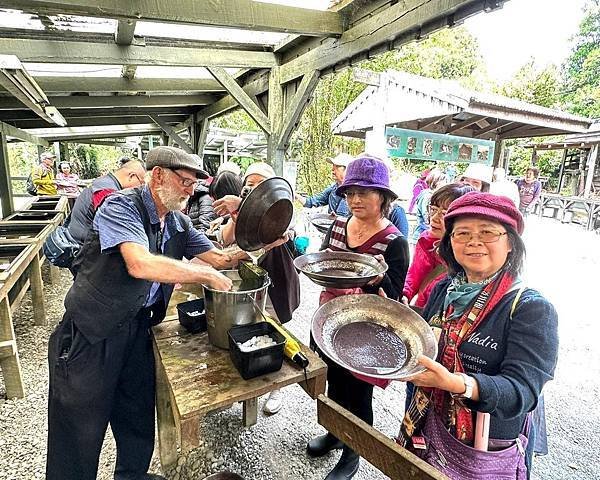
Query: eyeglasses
point(485, 236)
point(433, 211)
point(185, 181)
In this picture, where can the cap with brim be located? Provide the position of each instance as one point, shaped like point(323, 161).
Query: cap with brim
point(173, 158)
point(367, 172)
point(341, 160)
point(497, 208)
point(46, 155)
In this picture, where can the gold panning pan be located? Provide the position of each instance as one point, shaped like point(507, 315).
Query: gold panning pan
point(373, 336)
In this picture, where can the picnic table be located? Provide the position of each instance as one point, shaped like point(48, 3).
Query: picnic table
point(194, 377)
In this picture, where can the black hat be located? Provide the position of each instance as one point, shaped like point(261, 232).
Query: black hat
point(173, 158)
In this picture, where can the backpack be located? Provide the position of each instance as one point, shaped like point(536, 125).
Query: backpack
point(31, 188)
point(60, 248)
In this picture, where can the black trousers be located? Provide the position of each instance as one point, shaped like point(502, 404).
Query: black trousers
point(92, 385)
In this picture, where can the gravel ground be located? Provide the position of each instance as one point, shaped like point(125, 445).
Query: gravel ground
point(562, 262)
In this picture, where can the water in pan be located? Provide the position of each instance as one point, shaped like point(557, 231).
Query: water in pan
point(369, 347)
point(340, 268)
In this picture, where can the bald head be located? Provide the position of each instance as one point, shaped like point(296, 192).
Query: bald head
point(131, 174)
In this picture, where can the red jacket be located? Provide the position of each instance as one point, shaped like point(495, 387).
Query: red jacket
point(426, 269)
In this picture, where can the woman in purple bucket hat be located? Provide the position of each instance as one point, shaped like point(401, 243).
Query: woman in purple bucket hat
point(497, 347)
point(367, 231)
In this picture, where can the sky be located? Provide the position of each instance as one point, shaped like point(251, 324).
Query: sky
point(525, 29)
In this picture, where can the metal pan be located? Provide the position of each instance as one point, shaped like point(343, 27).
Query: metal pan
point(373, 336)
point(339, 269)
point(322, 221)
point(265, 214)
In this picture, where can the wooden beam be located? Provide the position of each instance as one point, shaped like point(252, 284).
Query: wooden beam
point(382, 452)
point(6, 197)
point(246, 14)
point(242, 98)
point(15, 132)
point(381, 28)
point(203, 127)
point(77, 101)
point(12, 116)
point(45, 51)
point(124, 85)
point(124, 32)
point(99, 132)
point(492, 127)
point(170, 131)
point(465, 124)
point(296, 107)
point(97, 121)
point(431, 122)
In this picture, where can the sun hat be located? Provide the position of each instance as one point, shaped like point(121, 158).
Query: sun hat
point(173, 158)
point(46, 155)
point(259, 168)
point(480, 204)
point(479, 172)
point(229, 167)
point(367, 171)
point(341, 160)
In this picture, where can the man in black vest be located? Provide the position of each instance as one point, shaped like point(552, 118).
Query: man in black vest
point(100, 355)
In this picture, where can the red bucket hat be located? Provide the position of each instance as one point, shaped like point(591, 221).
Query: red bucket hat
point(480, 204)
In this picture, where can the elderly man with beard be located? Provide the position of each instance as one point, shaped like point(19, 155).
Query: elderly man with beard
point(100, 355)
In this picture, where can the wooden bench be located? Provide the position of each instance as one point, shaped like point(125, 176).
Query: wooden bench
point(193, 378)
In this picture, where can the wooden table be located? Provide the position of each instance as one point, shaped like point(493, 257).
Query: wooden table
point(194, 378)
point(25, 273)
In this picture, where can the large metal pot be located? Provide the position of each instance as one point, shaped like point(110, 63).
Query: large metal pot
point(235, 307)
point(265, 214)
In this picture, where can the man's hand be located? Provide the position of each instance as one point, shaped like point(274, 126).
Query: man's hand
point(218, 281)
point(300, 198)
point(229, 204)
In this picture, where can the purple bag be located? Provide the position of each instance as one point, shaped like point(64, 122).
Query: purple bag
point(505, 459)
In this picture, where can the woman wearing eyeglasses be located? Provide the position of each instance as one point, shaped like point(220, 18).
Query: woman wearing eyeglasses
point(497, 347)
point(427, 268)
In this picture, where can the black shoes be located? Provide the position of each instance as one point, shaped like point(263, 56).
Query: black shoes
point(346, 467)
point(323, 444)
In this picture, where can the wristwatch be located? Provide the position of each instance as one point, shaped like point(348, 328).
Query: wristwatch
point(469, 384)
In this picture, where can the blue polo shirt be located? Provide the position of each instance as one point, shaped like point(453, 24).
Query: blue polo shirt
point(118, 221)
point(328, 197)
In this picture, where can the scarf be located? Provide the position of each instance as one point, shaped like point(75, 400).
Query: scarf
point(461, 293)
point(456, 416)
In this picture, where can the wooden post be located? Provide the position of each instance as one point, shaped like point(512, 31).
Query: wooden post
point(10, 364)
point(498, 153)
point(275, 155)
point(591, 168)
point(37, 292)
point(202, 134)
point(562, 170)
point(6, 198)
point(250, 411)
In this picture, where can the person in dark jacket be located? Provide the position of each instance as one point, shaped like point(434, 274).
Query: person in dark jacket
point(130, 174)
point(200, 209)
point(498, 341)
point(100, 356)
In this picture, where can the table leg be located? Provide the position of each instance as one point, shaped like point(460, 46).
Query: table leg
point(190, 434)
point(250, 411)
point(169, 432)
point(37, 292)
point(315, 386)
point(10, 364)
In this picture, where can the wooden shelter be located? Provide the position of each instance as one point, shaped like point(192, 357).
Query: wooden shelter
point(106, 69)
point(403, 100)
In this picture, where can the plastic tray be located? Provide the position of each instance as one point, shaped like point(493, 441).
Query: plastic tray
point(192, 323)
point(257, 362)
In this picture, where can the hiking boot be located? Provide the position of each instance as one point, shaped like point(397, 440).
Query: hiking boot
point(323, 444)
point(346, 467)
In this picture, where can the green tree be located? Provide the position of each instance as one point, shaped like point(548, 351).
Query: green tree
point(533, 84)
point(582, 69)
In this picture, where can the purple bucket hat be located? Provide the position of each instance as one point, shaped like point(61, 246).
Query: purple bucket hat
point(367, 171)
